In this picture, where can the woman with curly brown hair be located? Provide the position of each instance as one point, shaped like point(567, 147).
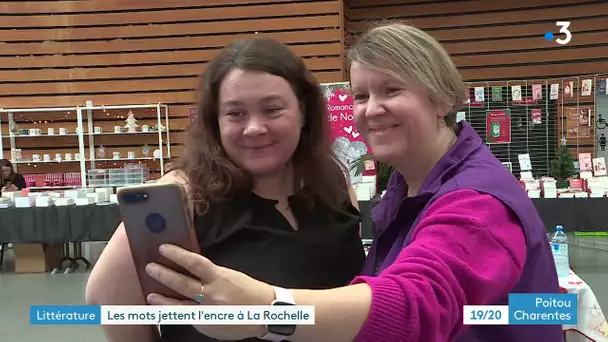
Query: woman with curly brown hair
point(268, 196)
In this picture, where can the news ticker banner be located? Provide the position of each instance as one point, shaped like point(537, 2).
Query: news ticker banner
point(171, 315)
point(526, 309)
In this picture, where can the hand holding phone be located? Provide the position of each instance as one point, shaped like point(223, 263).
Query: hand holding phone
point(156, 214)
point(10, 187)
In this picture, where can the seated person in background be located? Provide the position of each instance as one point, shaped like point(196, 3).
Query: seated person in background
point(10, 181)
point(269, 197)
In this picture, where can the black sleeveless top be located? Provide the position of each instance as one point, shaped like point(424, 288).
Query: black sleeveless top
point(250, 235)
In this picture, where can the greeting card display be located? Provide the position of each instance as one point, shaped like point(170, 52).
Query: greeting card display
point(525, 163)
point(599, 166)
point(554, 91)
point(537, 116)
point(516, 93)
point(498, 126)
point(578, 122)
point(569, 89)
point(537, 92)
point(584, 162)
point(477, 100)
point(461, 116)
point(479, 94)
point(496, 94)
point(586, 87)
point(347, 142)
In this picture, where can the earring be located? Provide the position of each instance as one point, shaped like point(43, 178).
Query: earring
point(442, 123)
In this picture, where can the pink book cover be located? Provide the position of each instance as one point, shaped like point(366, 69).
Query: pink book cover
point(584, 162)
point(346, 140)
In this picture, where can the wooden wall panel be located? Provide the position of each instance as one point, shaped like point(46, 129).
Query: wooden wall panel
point(78, 6)
point(497, 40)
point(121, 52)
point(60, 53)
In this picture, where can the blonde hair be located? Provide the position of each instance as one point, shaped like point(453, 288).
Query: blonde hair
point(411, 55)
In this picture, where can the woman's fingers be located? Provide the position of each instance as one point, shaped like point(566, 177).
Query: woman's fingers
point(195, 263)
point(176, 281)
point(158, 299)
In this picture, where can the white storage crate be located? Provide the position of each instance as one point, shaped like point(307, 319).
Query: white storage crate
point(129, 175)
point(97, 177)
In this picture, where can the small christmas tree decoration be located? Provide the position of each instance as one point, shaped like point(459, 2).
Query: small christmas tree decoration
point(131, 123)
point(563, 166)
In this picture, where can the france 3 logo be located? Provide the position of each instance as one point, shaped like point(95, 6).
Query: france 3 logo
point(563, 29)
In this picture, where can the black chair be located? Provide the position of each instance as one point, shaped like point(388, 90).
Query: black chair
point(3, 248)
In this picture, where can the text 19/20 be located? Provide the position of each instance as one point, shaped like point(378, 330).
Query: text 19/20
point(485, 315)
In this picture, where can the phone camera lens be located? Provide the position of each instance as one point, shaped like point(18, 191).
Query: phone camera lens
point(132, 198)
point(156, 223)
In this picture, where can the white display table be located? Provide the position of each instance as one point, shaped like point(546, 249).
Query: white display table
point(592, 324)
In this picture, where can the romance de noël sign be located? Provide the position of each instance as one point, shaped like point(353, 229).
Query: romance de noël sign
point(347, 141)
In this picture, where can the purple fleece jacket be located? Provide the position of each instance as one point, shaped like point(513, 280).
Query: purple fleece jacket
point(468, 249)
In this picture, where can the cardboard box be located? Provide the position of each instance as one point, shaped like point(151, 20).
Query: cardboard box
point(36, 258)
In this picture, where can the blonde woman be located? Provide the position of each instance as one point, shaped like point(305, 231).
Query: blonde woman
point(454, 227)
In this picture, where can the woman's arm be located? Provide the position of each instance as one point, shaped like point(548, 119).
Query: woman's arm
point(19, 182)
point(114, 281)
point(467, 249)
point(339, 313)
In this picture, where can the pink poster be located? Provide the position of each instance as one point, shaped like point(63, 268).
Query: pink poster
point(347, 142)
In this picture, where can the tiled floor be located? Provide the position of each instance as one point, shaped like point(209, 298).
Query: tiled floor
point(18, 292)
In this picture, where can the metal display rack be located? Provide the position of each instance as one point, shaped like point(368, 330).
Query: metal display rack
point(164, 142)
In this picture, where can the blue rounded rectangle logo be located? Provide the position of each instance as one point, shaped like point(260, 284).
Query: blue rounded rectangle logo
point(543, 308)
point(65, 314)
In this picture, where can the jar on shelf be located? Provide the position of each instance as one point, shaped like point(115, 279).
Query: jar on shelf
point(101, 152)
point(17, 154)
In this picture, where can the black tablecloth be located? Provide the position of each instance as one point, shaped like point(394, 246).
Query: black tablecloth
point(98, 222)
point(59, 224)
point(83, 223)
point(575, 214)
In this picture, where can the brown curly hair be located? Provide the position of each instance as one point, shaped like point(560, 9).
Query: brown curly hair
point(212, 176)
